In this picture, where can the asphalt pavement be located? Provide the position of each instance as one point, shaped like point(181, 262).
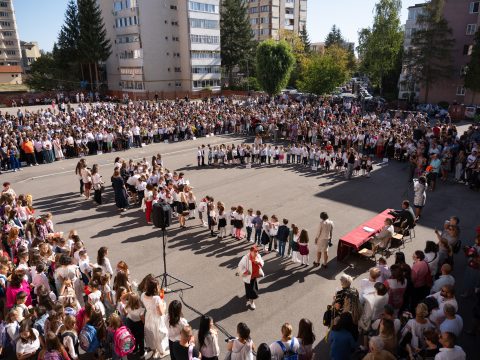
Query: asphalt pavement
point(288, 292)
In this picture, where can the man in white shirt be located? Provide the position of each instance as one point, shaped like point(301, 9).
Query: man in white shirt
point(445, 296)
point(323, 239)
point(444, 279)
point(453, 322)
point(450, 351)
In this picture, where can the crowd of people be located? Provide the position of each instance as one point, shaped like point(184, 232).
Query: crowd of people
point(321, 133)
point(408, 310)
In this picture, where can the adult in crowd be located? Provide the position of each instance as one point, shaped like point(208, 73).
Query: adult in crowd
point(250, 269)
point(323, 239)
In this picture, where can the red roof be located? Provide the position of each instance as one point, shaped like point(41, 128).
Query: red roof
point(10, 69)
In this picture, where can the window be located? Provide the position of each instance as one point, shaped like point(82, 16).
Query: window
point(117, 5)
point(10, 52)
point(7, 33)
point(460, 91)
point(471, 29)
point(177, 69)
point(467, 50)
point(264, 8)
point(4, 14)
point(206, 70)
point(3, 4)
point(204, 23)
point(474, 5)
point(205, 54)
point(178, 84)
point(204, 39)
point(253, 10)
point(173, 7)
point(131, 71)
point(205, 83)
point(5, 23)
point(202, 7)
point(8, 42)
point(463, 70)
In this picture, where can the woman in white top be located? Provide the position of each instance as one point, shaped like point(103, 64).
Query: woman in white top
point(208, 339)
point(294, 243)
point(97, 183)
point(156, 331)
point(241, 347)
point(288, 342)
point(412, 332)
point(175, 322)
point(65, 271)
point(103, 262)
point(95, 297)
point(87, 180)
point(28, 343)
point(420, 194)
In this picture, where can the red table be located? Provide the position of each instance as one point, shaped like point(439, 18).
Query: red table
point(358, 236)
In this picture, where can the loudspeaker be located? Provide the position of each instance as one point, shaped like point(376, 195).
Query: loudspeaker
point(161, 215)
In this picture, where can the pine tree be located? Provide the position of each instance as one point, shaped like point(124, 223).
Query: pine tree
point(334, 37)
point(305, 39)
point(69, 34)
point(429, 59)
point(472, 76)
point(94, 46)
point(65, 52)
point(237, 44)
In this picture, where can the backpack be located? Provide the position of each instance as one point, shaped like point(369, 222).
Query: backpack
point(124, 341)
point(288, 354)
point(52, 355)
point(88, 339)
point(3, 288)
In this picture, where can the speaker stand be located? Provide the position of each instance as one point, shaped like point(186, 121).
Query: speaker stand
point(167, 279)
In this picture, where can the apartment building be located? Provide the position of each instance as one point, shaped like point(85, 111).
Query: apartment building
point(407, 88)
point(10, 54)
point(269, 17)
point(163, 45)
point(463, 18)
point(30, 53)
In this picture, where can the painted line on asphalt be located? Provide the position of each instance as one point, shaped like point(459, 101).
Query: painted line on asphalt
point(110, 163)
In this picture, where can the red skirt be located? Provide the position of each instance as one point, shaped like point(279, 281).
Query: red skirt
point(148, 210)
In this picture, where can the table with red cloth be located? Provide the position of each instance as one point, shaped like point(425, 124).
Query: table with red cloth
point(359, 236)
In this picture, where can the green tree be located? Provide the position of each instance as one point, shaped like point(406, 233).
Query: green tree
point(93, 45)
point(237, 44)
point(472, 75)
point(380, 45)
point(65, 51)
point(323, 73)
point(274, 64)
point(298, 49)
point(43, 74)
point(305, 39)
point(334, 37)
point(429, 59)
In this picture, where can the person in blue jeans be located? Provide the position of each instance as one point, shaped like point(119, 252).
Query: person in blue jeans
point(12, 153)
point(257, 223)
point(282, 236)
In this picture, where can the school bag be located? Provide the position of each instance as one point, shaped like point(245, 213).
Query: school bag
point(52, 355)
point(88, 339)
point(124, 341)
point(288, 354)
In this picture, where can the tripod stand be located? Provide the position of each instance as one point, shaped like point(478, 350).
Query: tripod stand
point(168, 279)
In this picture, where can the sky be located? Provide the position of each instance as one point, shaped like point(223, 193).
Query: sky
point(40, 20)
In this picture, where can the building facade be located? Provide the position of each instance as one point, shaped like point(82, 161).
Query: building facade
point(30, 53)
point(407, 88)
point(10, 53)
point(269, 18)
point(463, 18)
point(163, 45)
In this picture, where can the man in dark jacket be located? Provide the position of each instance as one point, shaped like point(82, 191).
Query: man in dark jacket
point(405, 216)
point(282, 236)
